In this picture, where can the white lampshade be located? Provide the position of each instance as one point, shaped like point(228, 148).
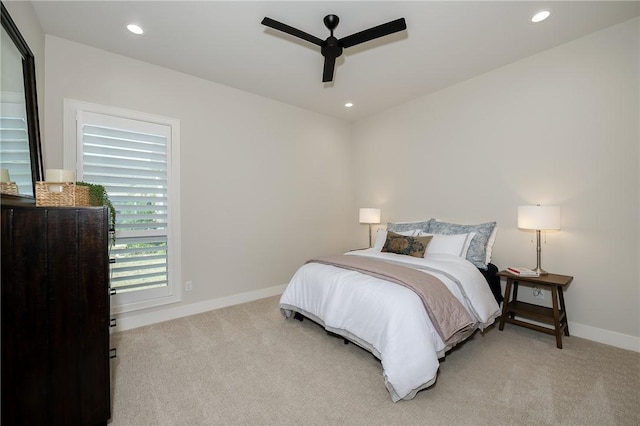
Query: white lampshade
point(539, 217)
point(369, 215)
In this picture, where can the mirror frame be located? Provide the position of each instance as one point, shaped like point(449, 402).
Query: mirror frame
point(31, 104)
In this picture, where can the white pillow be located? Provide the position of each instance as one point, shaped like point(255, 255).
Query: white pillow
point(490, 241)
point(456, 244)
point(381, 237)
point(477, 253)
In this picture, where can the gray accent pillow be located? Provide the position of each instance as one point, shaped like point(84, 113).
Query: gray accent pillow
point(477, 253)
point(409, 226)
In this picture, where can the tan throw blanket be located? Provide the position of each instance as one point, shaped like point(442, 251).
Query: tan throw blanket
point(449, 317)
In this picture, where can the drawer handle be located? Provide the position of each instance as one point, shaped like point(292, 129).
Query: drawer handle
point(112, 353)
point(112, 322)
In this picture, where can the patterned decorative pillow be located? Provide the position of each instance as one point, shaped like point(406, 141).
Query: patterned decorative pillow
point(409, 226)
point(477, 253)
point(402, 244)
point(381, 237)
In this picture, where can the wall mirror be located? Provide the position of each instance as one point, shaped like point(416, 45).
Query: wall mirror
point(20, 151)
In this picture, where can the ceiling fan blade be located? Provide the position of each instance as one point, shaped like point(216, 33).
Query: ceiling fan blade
point(373, 33)
point(329, 65)
point(290, 30)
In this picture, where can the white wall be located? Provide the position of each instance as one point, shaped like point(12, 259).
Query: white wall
point(264, 185)
point(560, 127)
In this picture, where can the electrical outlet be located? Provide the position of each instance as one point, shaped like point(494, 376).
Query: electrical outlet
point(188, 286)
point(538, 294)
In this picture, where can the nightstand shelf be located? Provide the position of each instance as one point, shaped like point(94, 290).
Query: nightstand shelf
point(556, 315)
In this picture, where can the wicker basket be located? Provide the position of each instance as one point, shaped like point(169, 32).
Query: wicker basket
point(67, 195)
point(9, 188)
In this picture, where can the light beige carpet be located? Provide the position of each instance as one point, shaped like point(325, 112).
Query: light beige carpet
point(246, 364)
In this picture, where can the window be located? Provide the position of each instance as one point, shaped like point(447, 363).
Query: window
point(134, 156)
point(14, 149)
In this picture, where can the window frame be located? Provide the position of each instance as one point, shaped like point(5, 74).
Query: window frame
point(72, 142)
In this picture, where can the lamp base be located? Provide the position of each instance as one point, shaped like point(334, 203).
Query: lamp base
point(540, 271)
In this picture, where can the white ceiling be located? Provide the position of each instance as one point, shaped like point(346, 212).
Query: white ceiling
point(223, 41)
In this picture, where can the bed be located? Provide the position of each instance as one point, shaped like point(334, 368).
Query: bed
point(381, 313)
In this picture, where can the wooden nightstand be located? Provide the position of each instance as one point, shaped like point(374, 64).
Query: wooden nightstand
point(556, 315)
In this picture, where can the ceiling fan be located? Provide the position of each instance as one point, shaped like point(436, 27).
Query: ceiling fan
point(331, 48)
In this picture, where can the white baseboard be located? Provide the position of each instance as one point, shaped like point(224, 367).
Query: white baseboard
point(133, 320)
point(607, 337)
point(600, 335)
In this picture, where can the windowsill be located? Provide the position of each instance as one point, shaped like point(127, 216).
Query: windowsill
point(120, 306)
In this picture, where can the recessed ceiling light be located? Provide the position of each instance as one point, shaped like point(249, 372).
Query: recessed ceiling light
point(135, 29)
point(540, 16)
point(348, 105)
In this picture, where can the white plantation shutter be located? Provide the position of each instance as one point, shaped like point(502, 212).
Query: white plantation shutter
point(14, 150)
point(131, 158)
point(136, 157)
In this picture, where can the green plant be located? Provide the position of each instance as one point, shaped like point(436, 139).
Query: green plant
point(98, 197)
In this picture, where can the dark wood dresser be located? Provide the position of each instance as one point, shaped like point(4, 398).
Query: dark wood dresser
point(55, 316)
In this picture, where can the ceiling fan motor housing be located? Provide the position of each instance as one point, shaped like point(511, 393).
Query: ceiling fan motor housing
point(331, 48)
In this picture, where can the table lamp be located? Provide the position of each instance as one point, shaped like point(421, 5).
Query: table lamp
point(539, 218)
point(370, 216)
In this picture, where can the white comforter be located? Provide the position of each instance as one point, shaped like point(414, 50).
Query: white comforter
point(387, 319)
